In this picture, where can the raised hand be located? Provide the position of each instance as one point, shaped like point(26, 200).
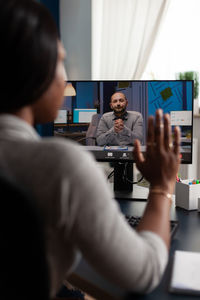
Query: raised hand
point(161, 162)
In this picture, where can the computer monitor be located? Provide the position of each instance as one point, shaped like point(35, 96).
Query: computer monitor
point(144, 97)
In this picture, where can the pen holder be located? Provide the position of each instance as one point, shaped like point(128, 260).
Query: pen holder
point(187, 194)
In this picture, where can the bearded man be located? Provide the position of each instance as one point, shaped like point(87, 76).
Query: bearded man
point(120, 127)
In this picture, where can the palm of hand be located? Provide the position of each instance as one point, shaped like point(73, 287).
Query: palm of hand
point(159, 167)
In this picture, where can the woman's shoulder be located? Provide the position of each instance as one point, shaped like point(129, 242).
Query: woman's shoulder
point(61, 144)
point(64, 152)
point(63, 158)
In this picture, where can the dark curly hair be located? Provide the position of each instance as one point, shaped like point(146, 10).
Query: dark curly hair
point(28, 52)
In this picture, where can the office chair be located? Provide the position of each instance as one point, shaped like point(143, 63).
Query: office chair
point(92, 130)
point(23, 265)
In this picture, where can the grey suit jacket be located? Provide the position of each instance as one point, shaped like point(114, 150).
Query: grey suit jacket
point(133, 129)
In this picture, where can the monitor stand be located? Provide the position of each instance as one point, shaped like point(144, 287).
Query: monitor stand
point(125, 189)
point(120, 184)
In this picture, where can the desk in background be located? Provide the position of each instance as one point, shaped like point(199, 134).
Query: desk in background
point(76, 132)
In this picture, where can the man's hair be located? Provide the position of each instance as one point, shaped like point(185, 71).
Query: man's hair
point(117, 93)
point(28, 52)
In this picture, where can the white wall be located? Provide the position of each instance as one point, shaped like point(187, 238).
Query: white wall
point(75, 30)
point(196, 134)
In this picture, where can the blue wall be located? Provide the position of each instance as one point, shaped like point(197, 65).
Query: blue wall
point(85, 95)
point(169, 95)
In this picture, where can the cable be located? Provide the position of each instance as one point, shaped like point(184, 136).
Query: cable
point(125, 176)
point(110, 175)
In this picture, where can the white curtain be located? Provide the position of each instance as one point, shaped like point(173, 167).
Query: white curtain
point(123, 33)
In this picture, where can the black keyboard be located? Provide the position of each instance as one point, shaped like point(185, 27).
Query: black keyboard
point(134, 221)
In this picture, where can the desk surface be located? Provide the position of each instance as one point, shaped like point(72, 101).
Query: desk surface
point(187, 238)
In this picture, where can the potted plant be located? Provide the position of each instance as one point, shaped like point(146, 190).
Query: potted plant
point(192, 75)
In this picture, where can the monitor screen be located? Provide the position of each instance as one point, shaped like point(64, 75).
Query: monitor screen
point(83, 115)
point(91, 115)
point(62, 117)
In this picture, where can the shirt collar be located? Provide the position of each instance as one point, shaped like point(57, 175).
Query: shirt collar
point(13, 127)
point(124, 117)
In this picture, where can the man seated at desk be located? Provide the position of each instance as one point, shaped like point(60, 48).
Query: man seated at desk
point(120, 127)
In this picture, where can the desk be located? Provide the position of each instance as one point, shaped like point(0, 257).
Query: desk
point(77, 136)
point(187, 238)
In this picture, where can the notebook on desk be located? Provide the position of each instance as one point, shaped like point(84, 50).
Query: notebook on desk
point(186, 273)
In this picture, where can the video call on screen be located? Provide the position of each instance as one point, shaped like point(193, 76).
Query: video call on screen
point(79, 115)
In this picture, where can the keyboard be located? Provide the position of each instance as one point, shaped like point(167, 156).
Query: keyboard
point(134, 221)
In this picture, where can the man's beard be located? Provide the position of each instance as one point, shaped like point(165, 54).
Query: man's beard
point(122, 111)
